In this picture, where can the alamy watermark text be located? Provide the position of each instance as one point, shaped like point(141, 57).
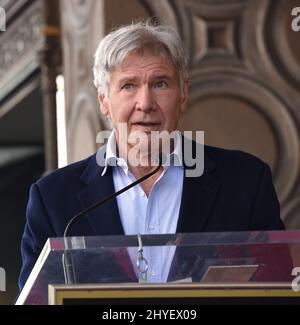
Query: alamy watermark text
point(143, 149)
point(296, 281)
point(2, 280)
point(296, 21)
point(2, 20)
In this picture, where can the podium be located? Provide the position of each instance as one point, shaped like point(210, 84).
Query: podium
point(195, 268)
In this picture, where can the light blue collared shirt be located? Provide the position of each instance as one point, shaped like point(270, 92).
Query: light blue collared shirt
point(156, 214)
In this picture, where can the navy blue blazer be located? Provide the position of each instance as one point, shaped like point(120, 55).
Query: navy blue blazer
point(235, 193)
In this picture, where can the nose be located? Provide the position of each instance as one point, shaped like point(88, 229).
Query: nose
point(145, 100)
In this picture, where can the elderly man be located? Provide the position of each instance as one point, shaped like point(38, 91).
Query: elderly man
point(141, 76)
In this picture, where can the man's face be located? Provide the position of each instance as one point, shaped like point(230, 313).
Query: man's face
point(145, 93)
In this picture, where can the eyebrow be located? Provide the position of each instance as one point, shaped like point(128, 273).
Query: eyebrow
point(163, 76)
point(134, 79)
point(126, 80)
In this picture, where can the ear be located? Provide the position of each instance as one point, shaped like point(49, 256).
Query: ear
point(103, 103)
point(184, 95)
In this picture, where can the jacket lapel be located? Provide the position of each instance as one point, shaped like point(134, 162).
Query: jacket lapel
point(105, 219)
point(198, 197)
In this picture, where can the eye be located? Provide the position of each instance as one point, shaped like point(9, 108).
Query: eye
point(161, 85)
point(128, 87)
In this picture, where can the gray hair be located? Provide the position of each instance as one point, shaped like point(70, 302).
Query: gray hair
point(115, 46)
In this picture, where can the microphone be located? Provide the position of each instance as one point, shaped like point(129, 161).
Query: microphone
point(112, 196)
point(66, 258)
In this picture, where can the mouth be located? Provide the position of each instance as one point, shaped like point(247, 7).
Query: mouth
point(146, 125)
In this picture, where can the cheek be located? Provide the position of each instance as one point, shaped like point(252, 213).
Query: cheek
point(121, 111)
point(125, 114)
point(171, 111)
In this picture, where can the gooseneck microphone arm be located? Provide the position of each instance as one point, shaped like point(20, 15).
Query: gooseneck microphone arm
point(67, 261)
point(110, 197)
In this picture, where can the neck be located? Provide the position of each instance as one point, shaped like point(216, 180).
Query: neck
point(140, 171)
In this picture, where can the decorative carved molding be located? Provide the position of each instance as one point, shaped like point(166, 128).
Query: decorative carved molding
point(20, 38)
point(165, 10)
point(80, 19)
point(13, 7)
point(31, 45)
point(284, 59)
point(83, 112)
point(19, 45)
point(79, 14)
point(265, 102)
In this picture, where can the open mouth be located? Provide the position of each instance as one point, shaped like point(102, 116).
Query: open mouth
point(147, 124)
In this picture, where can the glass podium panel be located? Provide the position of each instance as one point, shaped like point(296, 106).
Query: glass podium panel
point(207, 258)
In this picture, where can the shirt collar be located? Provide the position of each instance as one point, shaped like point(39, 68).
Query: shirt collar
point(111, 158)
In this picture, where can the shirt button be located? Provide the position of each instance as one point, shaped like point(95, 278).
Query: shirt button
point(153, 273)
point(143, 194)
point(151, 227)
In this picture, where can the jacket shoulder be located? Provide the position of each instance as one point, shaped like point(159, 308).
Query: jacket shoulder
point(229, 158)
point(65, 174)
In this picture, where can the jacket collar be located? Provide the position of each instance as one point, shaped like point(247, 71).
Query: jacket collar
point(198, 196)
point(105, 219)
